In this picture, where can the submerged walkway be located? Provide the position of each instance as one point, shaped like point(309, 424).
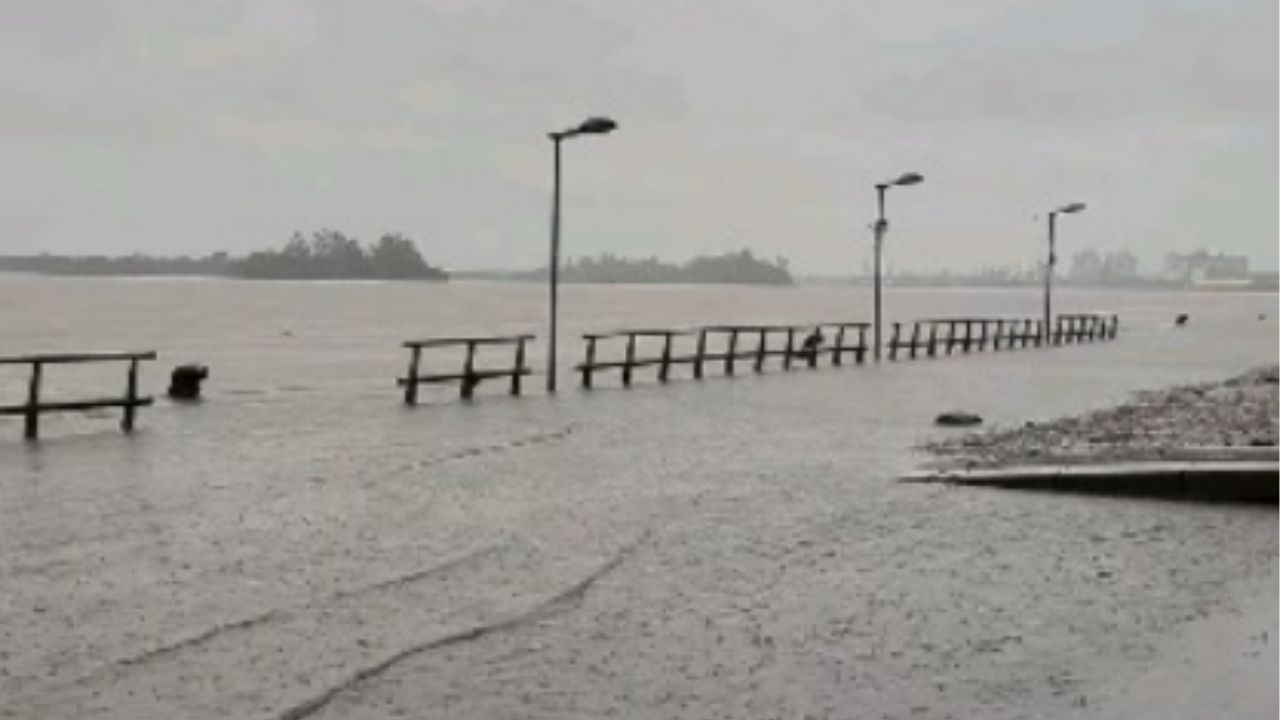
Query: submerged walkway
point(719, 550)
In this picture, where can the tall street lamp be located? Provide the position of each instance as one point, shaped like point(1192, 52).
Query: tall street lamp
point(881, 227)
point(590, 126)
point(1053, 260)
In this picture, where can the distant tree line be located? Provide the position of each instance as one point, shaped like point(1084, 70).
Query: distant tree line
point(135, 264)
point(328, 255)
point(733, 267)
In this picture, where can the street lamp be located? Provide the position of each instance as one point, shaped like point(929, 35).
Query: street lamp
point(1053, 260)
point(590, 126)
point(881, 227)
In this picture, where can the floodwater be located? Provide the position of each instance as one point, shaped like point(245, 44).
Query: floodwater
point(301, 545)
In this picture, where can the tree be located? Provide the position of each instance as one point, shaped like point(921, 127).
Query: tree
point(331, 254)
point(395, 256)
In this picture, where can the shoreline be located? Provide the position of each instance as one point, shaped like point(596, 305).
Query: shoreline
point(1220, 421)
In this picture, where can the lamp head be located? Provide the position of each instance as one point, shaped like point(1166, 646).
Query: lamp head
point(1074, 207)
point(597, 126)
point(910, 178)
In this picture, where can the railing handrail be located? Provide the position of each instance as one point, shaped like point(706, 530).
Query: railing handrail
point(470, 376)
point(759, 328)
point(55, 358)
point(469, 340)
point(837, 324)
point(646, 332)
point(33, 407)
point(960, 319)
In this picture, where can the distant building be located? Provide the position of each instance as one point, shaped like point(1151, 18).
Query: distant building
point(1087, 268)
point(1119, 268)
point(1202, 267)
point(1092, 268)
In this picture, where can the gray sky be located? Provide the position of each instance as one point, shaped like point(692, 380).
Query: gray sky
point(185, 127)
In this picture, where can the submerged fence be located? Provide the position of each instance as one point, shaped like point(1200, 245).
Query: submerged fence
point(719, 346)
point(35, 405)
point(721, 349)
point(944, 336)
point(727, 350)
point(470, 376)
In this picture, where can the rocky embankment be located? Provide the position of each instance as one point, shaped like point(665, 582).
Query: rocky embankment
point(1225, 420)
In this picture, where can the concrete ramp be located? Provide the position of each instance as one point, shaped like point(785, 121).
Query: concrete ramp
point(1247, 481)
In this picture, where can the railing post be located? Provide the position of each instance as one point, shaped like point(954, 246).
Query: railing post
point(411, 382)
point(836, 352)
point(629, 360)
point(732, 351)
point(893, 342)
point(995, 343)
point(982, 339)
point(700, 353)
point(791, 340)
point(517, 374)
point(31, 429)
point(813, 354)
point(468, 372)
point(665, 368)
point(130, 396)
point(861, 352)
point(933, 338)
point(762, 349)
point(588, 363)
point(915, 338)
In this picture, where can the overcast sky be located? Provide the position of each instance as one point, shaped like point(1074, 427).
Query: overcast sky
point(186, 127)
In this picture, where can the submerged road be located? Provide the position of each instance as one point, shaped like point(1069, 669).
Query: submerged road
point(726, 549)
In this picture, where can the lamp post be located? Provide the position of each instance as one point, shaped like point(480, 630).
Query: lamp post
point(881, 227)
point(1045, 335)
point(590, 126)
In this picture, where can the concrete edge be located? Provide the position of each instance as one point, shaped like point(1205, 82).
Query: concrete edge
point(1246, 481)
